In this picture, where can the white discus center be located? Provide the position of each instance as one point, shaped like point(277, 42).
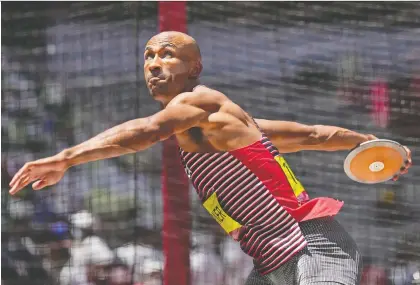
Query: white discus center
point(376, 166)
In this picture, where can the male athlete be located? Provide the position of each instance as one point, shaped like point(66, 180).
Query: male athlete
point(235, 165)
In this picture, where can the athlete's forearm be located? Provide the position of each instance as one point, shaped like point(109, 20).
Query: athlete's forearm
point(126, 138)
point(331, 138)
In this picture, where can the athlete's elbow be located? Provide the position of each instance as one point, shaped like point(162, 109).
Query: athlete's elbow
point(316, 136)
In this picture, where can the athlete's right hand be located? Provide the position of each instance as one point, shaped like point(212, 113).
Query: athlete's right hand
point(44, 172)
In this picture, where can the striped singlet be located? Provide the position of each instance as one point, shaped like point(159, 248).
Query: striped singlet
point(255, 197)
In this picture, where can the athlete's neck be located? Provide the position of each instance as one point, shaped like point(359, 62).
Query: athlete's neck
point(191, 84)
point(189, 87)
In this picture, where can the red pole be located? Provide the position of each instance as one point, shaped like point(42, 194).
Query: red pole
point(175, 186)
point(172, 16)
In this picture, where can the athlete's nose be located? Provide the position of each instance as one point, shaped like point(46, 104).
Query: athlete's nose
point(155, 68)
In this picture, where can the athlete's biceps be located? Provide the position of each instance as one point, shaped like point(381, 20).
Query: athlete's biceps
point(176, 118)
point(286, 132)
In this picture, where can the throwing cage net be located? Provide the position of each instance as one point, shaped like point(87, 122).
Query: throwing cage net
point(71, 70)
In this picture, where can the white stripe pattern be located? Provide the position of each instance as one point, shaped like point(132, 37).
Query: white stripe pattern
point(269, 233)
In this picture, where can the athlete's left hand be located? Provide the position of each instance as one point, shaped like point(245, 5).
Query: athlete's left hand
point(43, 172)
point(407, 164)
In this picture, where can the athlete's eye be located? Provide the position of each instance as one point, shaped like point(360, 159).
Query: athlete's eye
point(148, 56)
point(167, 54)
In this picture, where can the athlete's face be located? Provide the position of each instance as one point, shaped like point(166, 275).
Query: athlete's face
point(167, 65)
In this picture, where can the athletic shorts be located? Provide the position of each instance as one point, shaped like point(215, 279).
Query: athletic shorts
point(331, 257)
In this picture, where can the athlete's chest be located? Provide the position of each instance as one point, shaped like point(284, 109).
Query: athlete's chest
point(219, 139)
point(194, 140)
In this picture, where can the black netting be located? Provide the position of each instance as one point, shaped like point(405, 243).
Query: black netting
point(71, 70)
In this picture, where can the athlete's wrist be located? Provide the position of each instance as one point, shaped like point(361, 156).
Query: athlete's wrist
point(361, 138)
point(65, 159)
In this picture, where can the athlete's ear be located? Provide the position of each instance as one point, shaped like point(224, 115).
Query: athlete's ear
point(196, 69)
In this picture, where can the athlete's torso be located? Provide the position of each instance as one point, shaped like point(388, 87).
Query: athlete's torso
point(248, 188)
point(242, 202)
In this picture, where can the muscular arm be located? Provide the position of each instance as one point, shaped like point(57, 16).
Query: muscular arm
point(293, 137)
point(125, 138)
point(135, 135)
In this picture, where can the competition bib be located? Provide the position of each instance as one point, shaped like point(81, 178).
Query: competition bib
point(225, 221)
point(297, 187)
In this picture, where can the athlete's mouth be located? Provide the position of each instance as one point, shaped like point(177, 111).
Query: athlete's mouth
point(155, 79)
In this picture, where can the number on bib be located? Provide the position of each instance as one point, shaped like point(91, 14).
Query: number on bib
point(225, 221)
point(294, 183)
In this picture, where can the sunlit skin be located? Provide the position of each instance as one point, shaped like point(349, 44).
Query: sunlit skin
point(201, 118)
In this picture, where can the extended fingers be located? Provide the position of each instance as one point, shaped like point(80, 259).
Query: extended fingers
point(409, 161)
point(20, 183)
point(403, 169)
point(18, 175)
point(21, 179)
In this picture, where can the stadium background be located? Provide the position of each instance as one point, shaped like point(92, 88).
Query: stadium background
point(71, 70)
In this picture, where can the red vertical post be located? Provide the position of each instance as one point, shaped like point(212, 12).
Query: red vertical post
point(175, 187)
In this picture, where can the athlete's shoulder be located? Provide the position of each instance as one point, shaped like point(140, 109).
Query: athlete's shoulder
point(205, 90)
point(202, 97)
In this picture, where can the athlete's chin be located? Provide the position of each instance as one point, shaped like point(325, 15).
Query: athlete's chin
point(158, 94)
point(155, 90)
point(152, 91)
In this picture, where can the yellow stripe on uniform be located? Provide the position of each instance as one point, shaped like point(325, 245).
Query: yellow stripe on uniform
point(225, 221)
point(294, 183)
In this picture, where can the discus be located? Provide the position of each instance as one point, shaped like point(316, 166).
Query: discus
point(375, 161)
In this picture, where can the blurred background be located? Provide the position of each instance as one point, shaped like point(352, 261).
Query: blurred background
point(72, 69)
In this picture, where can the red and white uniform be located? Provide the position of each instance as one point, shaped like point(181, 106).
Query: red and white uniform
point(252, 193)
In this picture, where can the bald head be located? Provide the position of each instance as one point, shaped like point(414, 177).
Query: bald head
point(185, 44)
point(172, 64)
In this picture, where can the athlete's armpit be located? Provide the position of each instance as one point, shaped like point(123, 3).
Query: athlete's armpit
point(176, 118)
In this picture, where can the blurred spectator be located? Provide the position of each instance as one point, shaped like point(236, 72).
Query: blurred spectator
point(83, 223)
point(143, 257)
point(89, 253)
point(380, 103)
point(9, 270)
point(21, 209)
point(416, 276)
point(373, 274)
point(152, 273)
point(59, 244)
point(405, 273)
point(119, 274)
point(206, 264)
point(350, 84)
point(237, 265)
point(20, 265)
